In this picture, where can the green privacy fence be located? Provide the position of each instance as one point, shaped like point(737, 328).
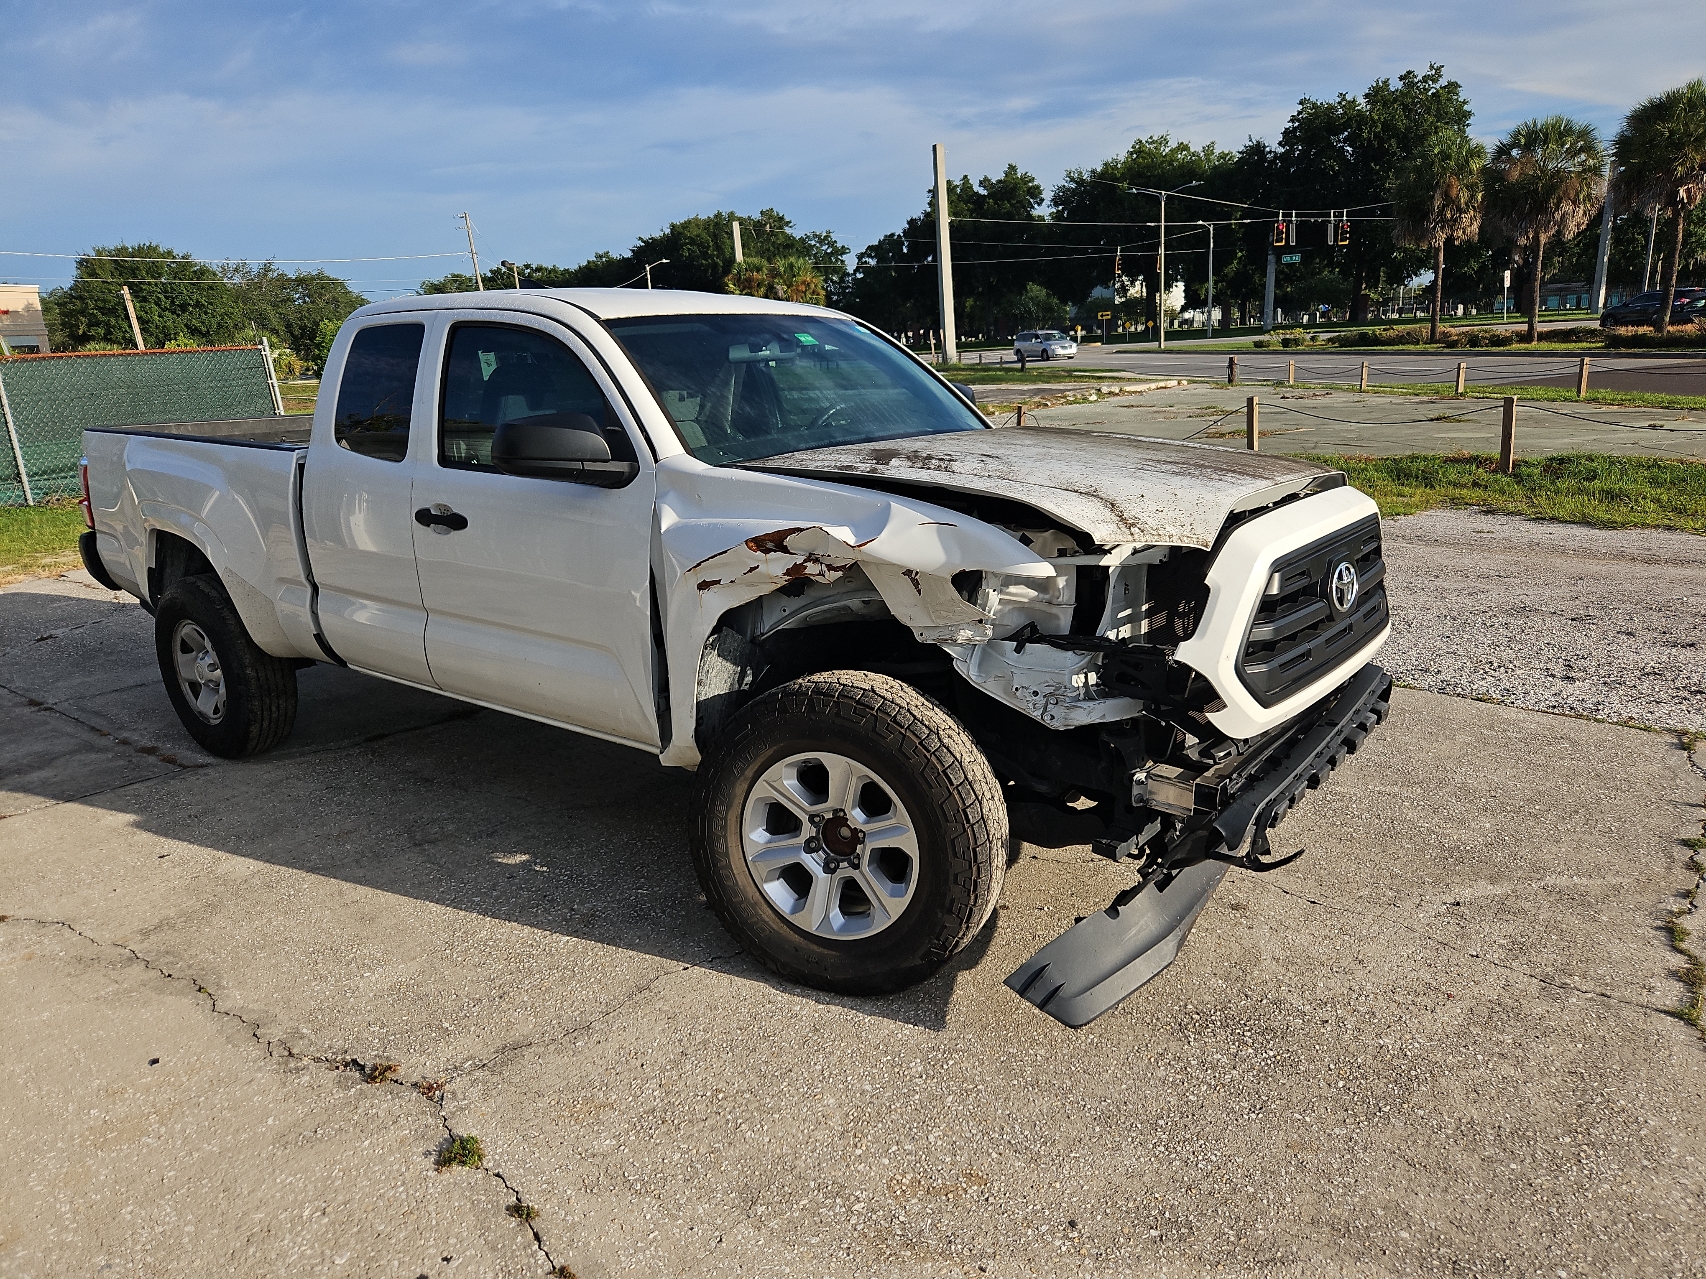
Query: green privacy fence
point(48, 400)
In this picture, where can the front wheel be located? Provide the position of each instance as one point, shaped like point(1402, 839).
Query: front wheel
point(849, 833)
point(234, 698)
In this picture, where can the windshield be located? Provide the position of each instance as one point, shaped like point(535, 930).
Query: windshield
point(1051, 336)
point(742, 387)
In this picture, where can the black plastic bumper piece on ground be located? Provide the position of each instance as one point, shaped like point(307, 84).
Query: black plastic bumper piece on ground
point(1089, 968)
point(92, 561)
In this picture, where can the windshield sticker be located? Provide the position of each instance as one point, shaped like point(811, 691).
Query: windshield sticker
point(488, 364)
point(806, 339)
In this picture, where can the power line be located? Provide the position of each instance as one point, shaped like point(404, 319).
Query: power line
point(120, 257)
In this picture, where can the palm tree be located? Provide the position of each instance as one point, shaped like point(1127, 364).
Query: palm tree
point(1658, 161)
point(1545, 180)
point(1437, 197)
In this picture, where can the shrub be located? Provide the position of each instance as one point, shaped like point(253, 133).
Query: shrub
point(1683, 336)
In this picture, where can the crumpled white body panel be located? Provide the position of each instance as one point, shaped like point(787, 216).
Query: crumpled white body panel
point(792, 529)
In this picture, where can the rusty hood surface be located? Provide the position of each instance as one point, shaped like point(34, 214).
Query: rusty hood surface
point(1117, 488)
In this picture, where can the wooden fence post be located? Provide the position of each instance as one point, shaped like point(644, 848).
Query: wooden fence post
point(1462, 372)
point(1507, 438)
point(1232, 370)
point(1582, 379)
point(1362, 382)
point(1290, 372)
point(1252, 432)
point(1020, 416)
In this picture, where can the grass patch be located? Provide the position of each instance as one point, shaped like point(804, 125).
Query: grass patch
point(36, 541)
point(1577, 488)
point(1550, 394)
point(522, 1212)
point(461, 1152)
point(300, 396)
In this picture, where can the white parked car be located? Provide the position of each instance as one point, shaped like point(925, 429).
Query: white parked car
point(765, 542)
point(1044, 344)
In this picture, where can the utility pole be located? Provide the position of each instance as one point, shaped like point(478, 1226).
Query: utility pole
point(130, 310)
point(944, 262)
point(735, 224)
point(468, 226)
point(1210, 308)
point(1268, 296)
point(1603, 259)
point(1652, 231)
point(1161, 282)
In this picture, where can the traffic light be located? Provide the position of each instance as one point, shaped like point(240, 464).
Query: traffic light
point(1280, 229)
point(1344, 233)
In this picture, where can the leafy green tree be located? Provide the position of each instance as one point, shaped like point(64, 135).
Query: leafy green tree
point(1437, 198)
point(1347, 153)
point(1659, 162)
point(177, 299)
point(700, 253)
point(291, 308)
point(996, 233)
point(1037, 308)
point(1108, 194)
point(1545, 180)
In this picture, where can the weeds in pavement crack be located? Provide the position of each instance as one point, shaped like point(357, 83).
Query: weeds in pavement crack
point(1693, 971)
point(457, 1150)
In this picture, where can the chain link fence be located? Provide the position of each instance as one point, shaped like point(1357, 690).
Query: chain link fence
point(49, 400)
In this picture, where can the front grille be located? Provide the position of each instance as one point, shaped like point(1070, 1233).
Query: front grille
point(1298, 634)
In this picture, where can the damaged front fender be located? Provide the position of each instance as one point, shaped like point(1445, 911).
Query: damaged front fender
point(812, 531)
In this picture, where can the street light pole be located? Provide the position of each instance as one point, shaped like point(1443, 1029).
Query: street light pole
point(650, 265)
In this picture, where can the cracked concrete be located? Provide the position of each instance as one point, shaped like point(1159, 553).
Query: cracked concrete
point(1444, 1041)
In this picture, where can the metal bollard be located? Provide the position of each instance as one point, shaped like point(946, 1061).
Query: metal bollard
point(1252, 432)
point(1507, 438)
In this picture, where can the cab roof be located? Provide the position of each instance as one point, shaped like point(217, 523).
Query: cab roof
point(606, 304)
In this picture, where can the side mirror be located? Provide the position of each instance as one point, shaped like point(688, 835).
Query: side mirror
point(559, 446)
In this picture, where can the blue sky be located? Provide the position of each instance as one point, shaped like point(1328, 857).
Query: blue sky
point(362, 129)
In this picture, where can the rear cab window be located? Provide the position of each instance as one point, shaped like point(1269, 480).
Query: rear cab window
point(376, 392)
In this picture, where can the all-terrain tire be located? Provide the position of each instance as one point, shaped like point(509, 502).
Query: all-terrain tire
point(259, 706)
point(934, 768)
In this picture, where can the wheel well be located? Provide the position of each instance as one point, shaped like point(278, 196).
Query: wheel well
point(175, 558)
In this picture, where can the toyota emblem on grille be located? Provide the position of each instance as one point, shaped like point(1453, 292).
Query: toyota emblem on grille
point(1343, 586)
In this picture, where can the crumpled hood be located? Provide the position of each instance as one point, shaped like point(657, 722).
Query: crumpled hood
point(1116, 488)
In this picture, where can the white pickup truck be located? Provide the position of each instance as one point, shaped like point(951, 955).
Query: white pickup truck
point(765, 542)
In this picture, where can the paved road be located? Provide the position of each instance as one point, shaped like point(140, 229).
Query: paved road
point(1438, 1044)
point(1666, 375)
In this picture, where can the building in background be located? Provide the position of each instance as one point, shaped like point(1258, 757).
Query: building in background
point(21, 322)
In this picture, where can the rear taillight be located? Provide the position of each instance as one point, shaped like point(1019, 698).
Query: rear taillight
point(86, 504)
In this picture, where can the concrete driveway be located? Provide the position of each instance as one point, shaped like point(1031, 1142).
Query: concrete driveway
point(1443, 1042)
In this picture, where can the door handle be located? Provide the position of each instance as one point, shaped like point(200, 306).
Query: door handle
point(441, 519)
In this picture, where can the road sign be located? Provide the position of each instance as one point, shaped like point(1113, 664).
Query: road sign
point(1291, 258)
point(1104, 315)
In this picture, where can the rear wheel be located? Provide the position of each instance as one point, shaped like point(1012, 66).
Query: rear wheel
point(849, 832)
point(232, 697)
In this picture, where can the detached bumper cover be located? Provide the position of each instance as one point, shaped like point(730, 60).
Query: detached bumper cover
point(1089, 968)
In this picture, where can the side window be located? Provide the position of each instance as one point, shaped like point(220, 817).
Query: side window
point(377, 391)
point(494, 374)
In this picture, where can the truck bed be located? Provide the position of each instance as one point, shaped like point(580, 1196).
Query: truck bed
point(273, 432)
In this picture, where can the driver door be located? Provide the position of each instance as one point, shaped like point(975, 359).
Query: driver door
point(537, 591)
